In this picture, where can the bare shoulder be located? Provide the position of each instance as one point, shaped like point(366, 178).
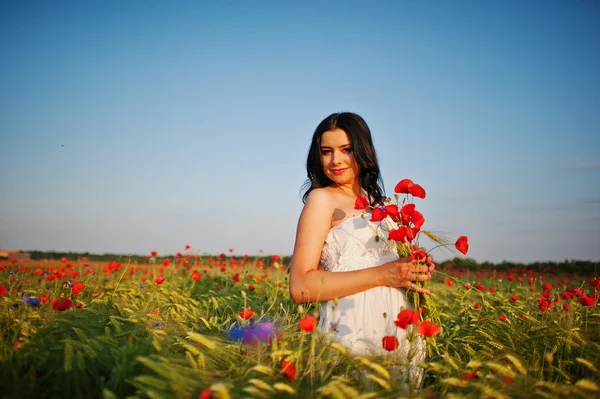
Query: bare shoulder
point(321, 197)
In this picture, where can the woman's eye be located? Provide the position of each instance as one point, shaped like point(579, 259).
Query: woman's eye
point(348, 150)
point(325, 152)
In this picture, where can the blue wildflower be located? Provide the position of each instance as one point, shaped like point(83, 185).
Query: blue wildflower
point(157, 324)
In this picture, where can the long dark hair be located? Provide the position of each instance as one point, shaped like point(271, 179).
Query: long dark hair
point(362, 148)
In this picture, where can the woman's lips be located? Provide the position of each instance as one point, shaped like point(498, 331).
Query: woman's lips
point(338, 171)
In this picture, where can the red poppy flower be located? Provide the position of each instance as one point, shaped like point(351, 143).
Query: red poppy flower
point(196, 276)
point(63, 260)
point(392, 211)
point(159, 280)
point(3, 290)
point(308, 323)
point(587, 301)
point(378, 215)
point(406, 317)
point(390, 343)
point(62, 303)
point(153, 253)
point(480, 287)
point(502, 317)
point(428, 328)
point(417, 191)
point(398, 234)
point(246, 313)
point(418, 255)
point(187, 247)
point(77, 288)
point(462, 245)
point(417, 219)
point(595, 283)
point(403, 186)
point(492, 290)
point(206, 394)
point(547, 287)
point(361, 203)
point(566, 306)
point(514, 298)
point(469, 376)
point(477, 306)
point(288, 370)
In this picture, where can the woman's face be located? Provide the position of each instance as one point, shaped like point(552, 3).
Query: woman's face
point(337, 157)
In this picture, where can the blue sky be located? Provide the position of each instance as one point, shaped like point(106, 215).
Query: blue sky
point(136, 126)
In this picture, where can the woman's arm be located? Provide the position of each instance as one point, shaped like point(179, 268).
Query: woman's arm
point(308, 283)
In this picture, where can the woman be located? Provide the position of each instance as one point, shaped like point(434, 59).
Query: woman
point(337, 260)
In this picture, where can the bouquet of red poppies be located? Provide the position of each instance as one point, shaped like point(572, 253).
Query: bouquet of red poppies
point(403, 230)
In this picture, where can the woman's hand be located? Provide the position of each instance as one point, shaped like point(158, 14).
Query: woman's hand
point(405, 272)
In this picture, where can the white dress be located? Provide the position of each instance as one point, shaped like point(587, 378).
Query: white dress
point(360, 321)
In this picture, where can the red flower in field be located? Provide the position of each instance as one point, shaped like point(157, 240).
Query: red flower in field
point(578, 292)
point(462, 245)
point(206, 394)
point(546, 295)
point(62, 303)
point(547, 287)
point(3, 290)
point(378, 215)
point(77, 288)
point(492, 290)
point(196, 276)
point(63, 260)
point(514, 298)
point(44, 298)
point(218, 287)
point(502, 317)
point(79, 305)
point(153, 253)
point(159, 280)
point(37, 272)
point(187, 247)
point(288, 370)
point(508, 380)
point(417, 191)
point(275, 258)
point(250, 288)
point(477, 306)
point(144, 279)
point(595, 283)
point(566, 306)
point(587, 301)
point(520, 279)
point(403, 186)
point(308, 323)
point(166, 262)
point(246, 314)
point(469, 376)
point(467, 286)
point(480, 287)
point(428, 328)
point(392, 211)
point(390, 343)
point(406, 317)
point(510, 277)
point(360, 203)
point(530, 281)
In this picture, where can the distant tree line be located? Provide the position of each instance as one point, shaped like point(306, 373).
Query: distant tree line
point(121, 258)
point(581, 267)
